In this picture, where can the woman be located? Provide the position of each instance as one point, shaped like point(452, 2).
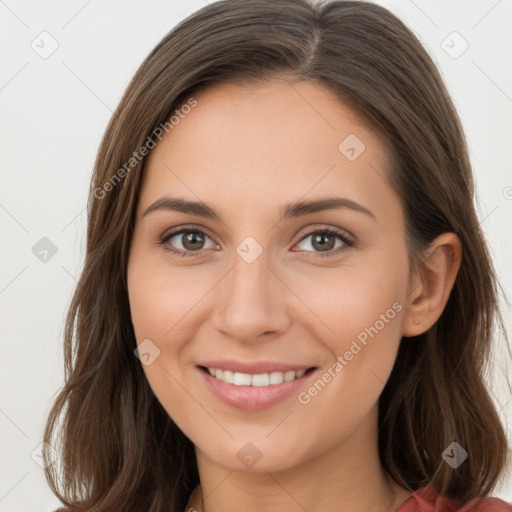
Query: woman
point(287, 301)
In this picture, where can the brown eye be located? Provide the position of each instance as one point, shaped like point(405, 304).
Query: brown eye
point(192, 241)
point(187, 242)
point(325, 241)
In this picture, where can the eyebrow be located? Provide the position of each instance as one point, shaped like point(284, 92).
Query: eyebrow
point(288, 211)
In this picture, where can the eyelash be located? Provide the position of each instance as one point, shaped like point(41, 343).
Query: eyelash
point(347, 241)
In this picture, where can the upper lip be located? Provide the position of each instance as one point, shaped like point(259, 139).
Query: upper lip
point(254, 368)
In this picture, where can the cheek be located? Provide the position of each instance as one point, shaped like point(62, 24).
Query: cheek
point(368, 306)
point(166, 308)
point(162, 299)
point(348, 301)
point(358, 314)
point(161, 305)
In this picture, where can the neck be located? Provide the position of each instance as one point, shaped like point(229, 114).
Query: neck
point(348, 477)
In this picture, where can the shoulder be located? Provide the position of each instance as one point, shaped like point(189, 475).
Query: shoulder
point(424, 500)
point(487, 505)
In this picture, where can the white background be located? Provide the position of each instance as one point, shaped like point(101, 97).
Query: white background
point(53, 114)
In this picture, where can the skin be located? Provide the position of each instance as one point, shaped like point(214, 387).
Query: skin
point(246, 151)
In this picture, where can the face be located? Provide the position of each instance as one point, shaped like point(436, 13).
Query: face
point(258, 281)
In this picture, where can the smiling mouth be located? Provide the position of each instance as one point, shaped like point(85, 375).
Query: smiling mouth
point(256, 380)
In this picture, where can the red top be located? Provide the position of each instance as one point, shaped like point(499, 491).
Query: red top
point(424, 500)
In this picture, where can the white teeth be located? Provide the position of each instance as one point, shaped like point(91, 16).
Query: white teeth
point(263, 379)
point(228, 376)
point(240, 379)
point(276, 377)
point(259, 380)
point(289, 375)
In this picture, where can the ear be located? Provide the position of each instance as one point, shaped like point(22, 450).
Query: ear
point(431, 283)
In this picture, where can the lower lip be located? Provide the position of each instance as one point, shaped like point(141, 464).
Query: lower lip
point(254, 398)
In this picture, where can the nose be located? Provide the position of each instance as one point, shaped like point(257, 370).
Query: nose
point(251, 301)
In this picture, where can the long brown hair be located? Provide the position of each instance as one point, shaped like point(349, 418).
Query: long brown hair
point(119, 450)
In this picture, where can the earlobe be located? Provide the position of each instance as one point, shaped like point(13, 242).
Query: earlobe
point(432, 283)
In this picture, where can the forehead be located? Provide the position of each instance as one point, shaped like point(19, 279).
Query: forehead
point(266, 141)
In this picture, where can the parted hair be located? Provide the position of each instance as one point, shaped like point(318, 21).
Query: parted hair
point(117, 447)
